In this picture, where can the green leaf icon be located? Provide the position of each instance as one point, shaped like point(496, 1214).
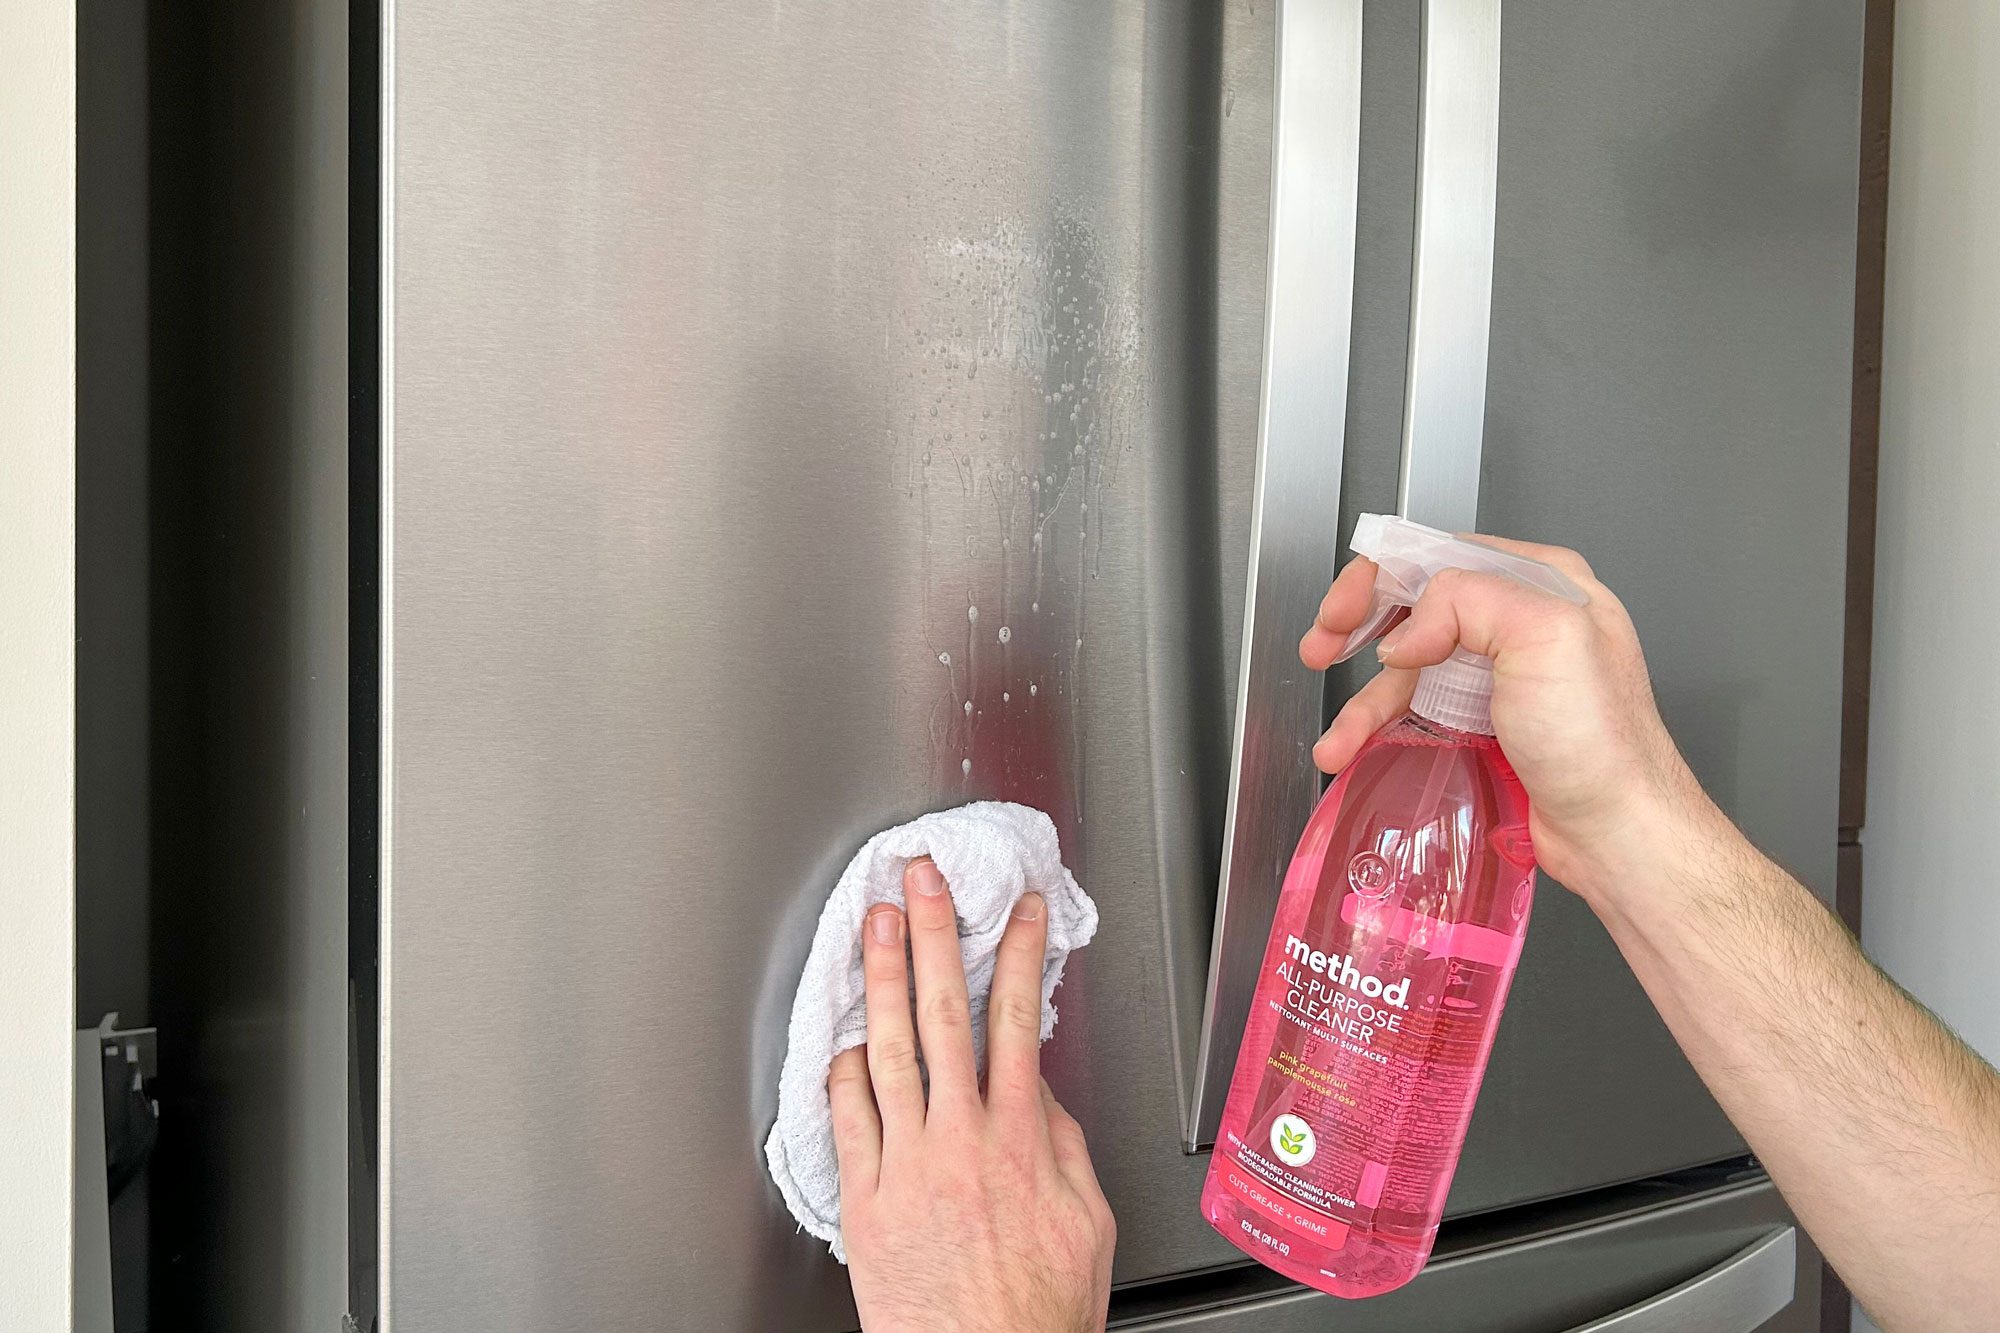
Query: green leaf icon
point(1291, 1142)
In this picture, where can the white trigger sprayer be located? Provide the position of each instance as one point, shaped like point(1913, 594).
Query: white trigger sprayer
point(1457, 692)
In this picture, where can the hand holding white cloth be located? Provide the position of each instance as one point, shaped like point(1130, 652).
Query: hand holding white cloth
point(990, 853)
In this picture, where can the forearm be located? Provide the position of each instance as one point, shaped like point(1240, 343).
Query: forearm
point(1881, 1128)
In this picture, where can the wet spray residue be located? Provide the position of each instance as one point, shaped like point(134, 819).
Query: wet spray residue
point(1011, 426)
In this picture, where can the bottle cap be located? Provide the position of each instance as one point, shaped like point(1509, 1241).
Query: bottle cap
point(1457, 693)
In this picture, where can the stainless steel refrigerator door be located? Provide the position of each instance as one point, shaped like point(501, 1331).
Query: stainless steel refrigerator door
point(1668, 391)
point(798, 416)
point(736, 357)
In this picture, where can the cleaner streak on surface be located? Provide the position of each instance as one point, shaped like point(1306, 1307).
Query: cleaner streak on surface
point(1397, 931)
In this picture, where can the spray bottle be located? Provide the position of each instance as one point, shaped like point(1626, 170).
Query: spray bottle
point(1398, 928)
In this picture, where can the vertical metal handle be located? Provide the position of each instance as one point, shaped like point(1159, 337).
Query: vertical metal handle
point(1451, 294)
point(1736, 1296)
point(1308, 317)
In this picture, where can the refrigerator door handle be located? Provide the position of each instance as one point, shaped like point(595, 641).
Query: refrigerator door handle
point(1451, 286)
point(1736, 1296)
point(1301, 428)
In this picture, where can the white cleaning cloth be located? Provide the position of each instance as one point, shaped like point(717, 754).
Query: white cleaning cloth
point(990, 854)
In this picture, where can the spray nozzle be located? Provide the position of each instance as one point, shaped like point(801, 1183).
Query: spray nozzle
point(1459, 691)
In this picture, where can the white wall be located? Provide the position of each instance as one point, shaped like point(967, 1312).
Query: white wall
point(37, 665)
point(1931, 906)
point(1931, 909)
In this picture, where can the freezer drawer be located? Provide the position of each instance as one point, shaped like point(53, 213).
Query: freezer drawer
point(1731, 1262)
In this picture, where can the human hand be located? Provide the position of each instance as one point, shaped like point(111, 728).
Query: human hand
point(969, 1212)
point(1572, 705)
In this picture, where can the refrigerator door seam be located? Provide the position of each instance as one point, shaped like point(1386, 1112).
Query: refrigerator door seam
point(1301, 426)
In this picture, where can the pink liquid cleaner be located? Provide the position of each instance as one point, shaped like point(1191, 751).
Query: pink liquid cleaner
point(1397, 931)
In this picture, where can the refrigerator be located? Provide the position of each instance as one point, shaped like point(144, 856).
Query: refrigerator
point(775, 420)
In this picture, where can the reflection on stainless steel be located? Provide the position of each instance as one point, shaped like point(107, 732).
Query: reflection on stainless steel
point(795, 421)
point(1451, 291)
point(1308, 317)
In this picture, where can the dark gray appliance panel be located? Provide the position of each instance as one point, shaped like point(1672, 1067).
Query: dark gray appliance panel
point(1668, 392)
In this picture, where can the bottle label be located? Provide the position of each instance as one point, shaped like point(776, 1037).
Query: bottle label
point(1381, 1035)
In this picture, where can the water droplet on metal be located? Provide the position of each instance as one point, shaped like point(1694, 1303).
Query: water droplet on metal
point(1006, 634)
point(972, 614)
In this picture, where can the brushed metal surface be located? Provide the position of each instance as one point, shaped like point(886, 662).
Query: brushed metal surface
point(1709, 188)
point(1668, 392)
point(1738, 1295)
point(1308, 312)
point(796, 418)
point(1451, 291)
point(720, 340)
point(1561, 1280)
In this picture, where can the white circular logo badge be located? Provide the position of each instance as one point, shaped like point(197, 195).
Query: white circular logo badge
point(1292, 1139)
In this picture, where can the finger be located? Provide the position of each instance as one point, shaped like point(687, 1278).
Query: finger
point(1343, 608)
point(1487, 614)
point(892, 1043)
point(1368, 710)
point(1014, 1013)
point(944, 1018)
point(1066, 1139)
point(1603, 606)
point(857, 1128)
point(1564, 559)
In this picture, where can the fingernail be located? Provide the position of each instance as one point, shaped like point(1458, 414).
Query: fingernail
point(886, 925)
point(1028, 907)
point(1389, 644)
point(925, 877)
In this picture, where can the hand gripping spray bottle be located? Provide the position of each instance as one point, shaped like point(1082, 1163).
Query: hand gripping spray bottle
point(1397, 930)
